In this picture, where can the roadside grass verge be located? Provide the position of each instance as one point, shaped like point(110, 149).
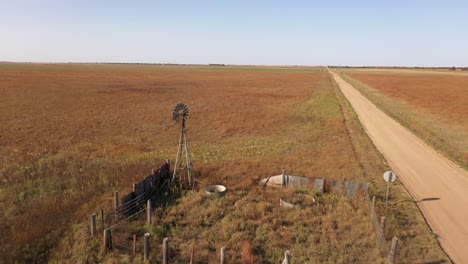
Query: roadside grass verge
point(448, 136)
point(417, 243)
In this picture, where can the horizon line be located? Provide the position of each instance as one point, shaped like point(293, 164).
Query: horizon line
point(237, 65)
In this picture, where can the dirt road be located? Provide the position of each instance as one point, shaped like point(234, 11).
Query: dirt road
point(438, 185)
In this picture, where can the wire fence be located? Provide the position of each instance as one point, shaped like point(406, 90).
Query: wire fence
point(379, 229)
point(126, 233)
point(126, 236)
point(156, 183)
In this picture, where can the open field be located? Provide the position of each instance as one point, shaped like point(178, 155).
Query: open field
point(73, 134)
point(434, 106)
point(410, 71)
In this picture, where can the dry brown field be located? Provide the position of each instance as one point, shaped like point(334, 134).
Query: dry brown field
point(73, 134)
point(434, 106)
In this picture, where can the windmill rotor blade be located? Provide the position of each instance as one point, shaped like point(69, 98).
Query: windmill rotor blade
point(175, 115)
point(180, 113)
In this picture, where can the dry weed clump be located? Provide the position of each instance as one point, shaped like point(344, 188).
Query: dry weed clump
point(253, 225)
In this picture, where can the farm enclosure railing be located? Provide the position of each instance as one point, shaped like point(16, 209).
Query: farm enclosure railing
point(129, 236)
point(156, 183)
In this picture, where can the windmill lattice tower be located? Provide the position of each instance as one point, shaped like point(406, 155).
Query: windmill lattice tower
point(183, 164)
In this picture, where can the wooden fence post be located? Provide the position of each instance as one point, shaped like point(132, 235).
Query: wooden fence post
point(116, 200)
point(107, 240)
point(223, 255)
point(134, 245)
point(284, 178)
point(287, 257)
point(392, 255)
point(146, 249)
point(116, 203)
point(165, 251)
point(192, 252)
point(382, 224)
point(93, 224)
point(102, 219)
point(148, 212)
point(135, 185)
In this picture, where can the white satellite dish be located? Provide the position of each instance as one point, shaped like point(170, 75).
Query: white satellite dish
point(389, 176)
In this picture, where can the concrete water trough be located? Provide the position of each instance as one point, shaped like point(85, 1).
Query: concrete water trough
point(286, 180)
point(215, 190)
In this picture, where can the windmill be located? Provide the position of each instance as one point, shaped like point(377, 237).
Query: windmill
point(183, 164)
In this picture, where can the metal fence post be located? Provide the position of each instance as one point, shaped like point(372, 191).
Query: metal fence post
point(147, 246)
point(165, 250)
point(93, 224)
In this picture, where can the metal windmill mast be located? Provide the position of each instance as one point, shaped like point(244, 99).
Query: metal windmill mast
point(183, 164)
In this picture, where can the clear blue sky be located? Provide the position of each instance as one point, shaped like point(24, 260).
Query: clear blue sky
point(399, 33)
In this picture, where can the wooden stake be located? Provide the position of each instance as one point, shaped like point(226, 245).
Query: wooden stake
point(382, 224)
point(104, 240)
point(148, 212)
point(146, 248)
point(165, 250)
point(135, 187)
point(287, 257)
point(134, 245)
point(107, 240)
point(102, 219)
point(93, 225)
point(284, 178)
point(392, 255)
point(116, 200)
point(373, 201)
point(223, 255)
point(116, 203)
point(192, 253)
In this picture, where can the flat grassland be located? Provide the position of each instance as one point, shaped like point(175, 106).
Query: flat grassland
point(433, 105)
point(73, 134)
